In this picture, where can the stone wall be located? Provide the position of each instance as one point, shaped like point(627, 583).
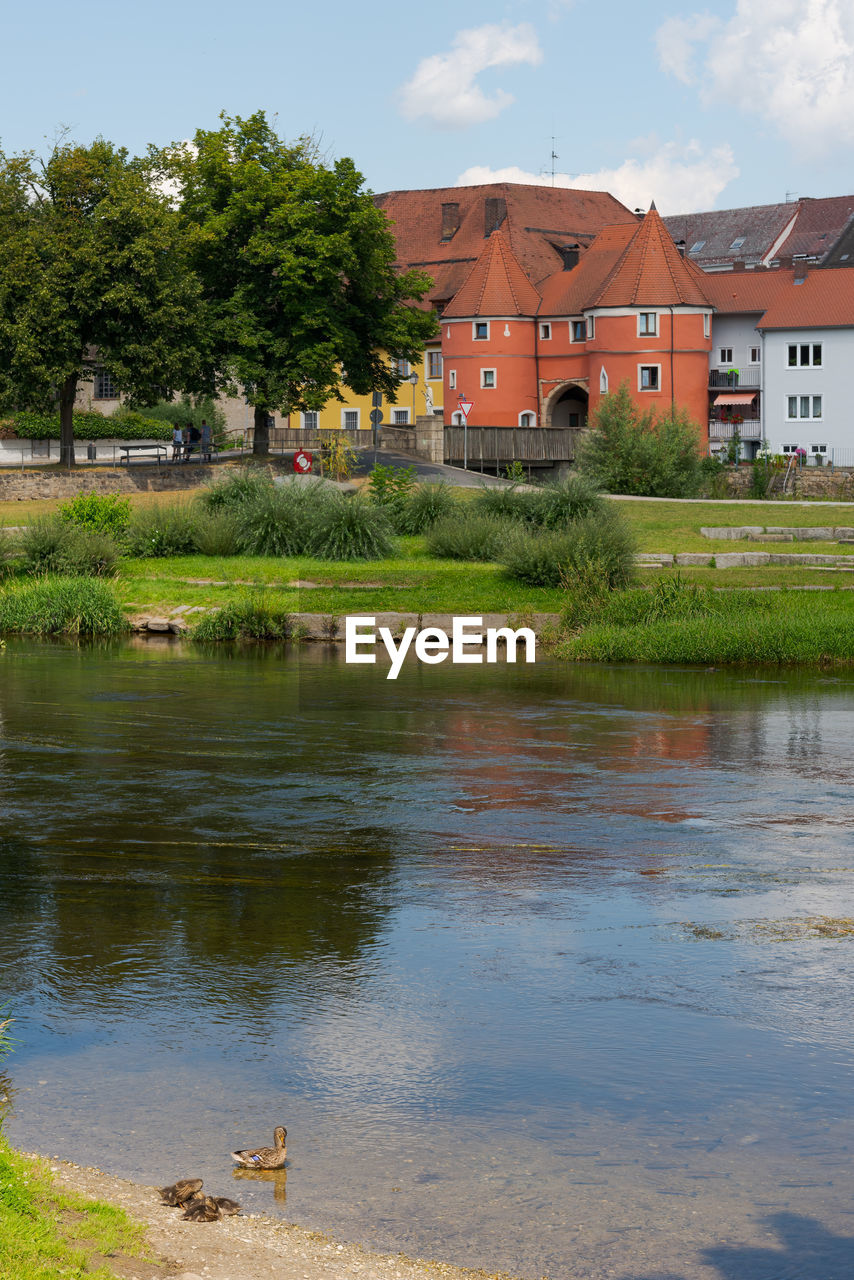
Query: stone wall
point(49, 483)
point(425, 440)
point(804, 482)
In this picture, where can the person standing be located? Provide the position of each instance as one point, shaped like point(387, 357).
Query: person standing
point(177, 442)
point(206, 441)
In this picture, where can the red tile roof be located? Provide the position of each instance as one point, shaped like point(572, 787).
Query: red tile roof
point(566, 292)
point(651, 270)
point(745, 291)
point(496, 285)
point(536, 221)
point(825, 300)
point(757, 228)
point(819, 224)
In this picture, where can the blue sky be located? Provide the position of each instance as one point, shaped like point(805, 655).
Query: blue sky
point(698, 106)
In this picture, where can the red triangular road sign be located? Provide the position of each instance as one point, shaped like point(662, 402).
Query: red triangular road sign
point(465, 407)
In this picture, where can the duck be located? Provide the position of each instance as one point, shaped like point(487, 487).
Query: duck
point(202, 1209)
point(227, 1207)
point(181, 1192)
point(265, 1157)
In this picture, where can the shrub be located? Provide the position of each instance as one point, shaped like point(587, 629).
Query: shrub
point(186, 410)
point(337, 456)
point(62, 606)
point(632, 451)
point(565, 501)
point(423, 507)
point(90, 426)
point(598, 551)
point(391, 486)
point(103, 513)
point(239, 486)
point(714, 478)
point(51, 545)
point(506, 504)
point(249, 618)
point(162, 531)
point(280, 520)
point(216, 534)
point(351, 529)
point(468, 536)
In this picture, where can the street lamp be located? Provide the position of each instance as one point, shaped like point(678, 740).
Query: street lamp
point(413, 378)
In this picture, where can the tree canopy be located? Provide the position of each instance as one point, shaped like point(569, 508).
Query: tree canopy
point(634, 450)
point(297, 268)
point(94, 272)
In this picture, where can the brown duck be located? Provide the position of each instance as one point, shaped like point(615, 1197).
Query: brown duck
point(265, 1157)
point(181, 1192)
point(202, 1209)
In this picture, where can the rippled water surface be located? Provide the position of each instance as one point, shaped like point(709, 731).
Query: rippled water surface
point(533, 963)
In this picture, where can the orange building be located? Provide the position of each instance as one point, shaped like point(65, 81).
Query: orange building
point(627, 308)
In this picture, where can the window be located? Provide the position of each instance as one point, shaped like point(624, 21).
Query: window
point(803, 407)
point(591, 326)
point(104, 386)
point(649, 377)
point(790, 448)
point(726, 355)
point(487, 378)
point(480, 330)
point(545, 331)
point(738, 242)
point(527, 419)
point(696, 246)
point(402, 368)
point(804, 355)
point(458, 420)
point(574, 421)
point(434, 364)
point(452, 379)
point(603, 380)
point(350, 419)
point(647, 323)
point(400, 417)
point(310, 420)
point(818, 448)
point(755, 355)
point(578, 330)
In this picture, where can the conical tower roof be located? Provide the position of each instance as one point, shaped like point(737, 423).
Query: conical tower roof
point(651, 272)
point(496, 285)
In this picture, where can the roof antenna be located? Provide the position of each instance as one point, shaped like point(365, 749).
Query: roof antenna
point(554, 156)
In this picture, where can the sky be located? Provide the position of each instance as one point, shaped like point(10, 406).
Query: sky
point(731, 103)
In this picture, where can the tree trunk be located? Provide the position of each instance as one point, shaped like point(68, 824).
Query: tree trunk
point(261, 440)
point(67, 396)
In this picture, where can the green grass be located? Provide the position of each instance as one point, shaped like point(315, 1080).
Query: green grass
point(675, 526)
point(46, 1234)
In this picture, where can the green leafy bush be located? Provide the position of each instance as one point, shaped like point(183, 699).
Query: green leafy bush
point(102, 513)
point(51, 545)
point(162, 531)
point(629, 450)
point(61, 606)
point(423, 507)
point(468, 536)
point(89, 426)
point(250, 618)
point(280, 520)
point(391, 486)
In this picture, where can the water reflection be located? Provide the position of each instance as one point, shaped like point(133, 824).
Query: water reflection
point(531, 942)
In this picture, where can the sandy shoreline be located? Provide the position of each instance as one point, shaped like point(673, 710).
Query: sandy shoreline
point(254, 1247)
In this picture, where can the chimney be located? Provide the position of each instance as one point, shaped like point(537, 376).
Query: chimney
point(680, 245)
point(495, 211)
point(570, 255)
point(450, 220)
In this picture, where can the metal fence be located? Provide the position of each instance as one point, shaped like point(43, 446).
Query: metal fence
point(734, 378)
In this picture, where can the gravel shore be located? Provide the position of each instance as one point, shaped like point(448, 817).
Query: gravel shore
point(239, 1248)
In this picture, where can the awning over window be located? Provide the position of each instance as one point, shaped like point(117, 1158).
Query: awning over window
point(736, 397)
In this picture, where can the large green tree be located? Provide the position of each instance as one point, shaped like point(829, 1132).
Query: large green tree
point(94, 272)
point(297, 265)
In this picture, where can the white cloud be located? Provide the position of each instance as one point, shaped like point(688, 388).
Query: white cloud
point(678, 178)
point(791, 62)
point(444, 88)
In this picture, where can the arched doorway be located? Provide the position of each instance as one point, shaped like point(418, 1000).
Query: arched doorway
point(566, 408)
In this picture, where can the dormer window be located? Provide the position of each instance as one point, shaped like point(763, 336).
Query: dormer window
point(738, 242)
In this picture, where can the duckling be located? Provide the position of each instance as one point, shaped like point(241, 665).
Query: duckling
point(265, 1157)
point(181, 1192)
point(202, 1209)
point(227, 1207)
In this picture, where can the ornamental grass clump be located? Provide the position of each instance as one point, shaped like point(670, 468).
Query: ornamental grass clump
point(424, 506)
point(469, 535)
point(351, 529)
point(280, 521)
point(560, 504)
point(162, 531)
point(598, 549)
point(250, 618)
point(513, 504)
point(237, 489)
point(62, 607)
point(52, 545)
point(217, 534)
